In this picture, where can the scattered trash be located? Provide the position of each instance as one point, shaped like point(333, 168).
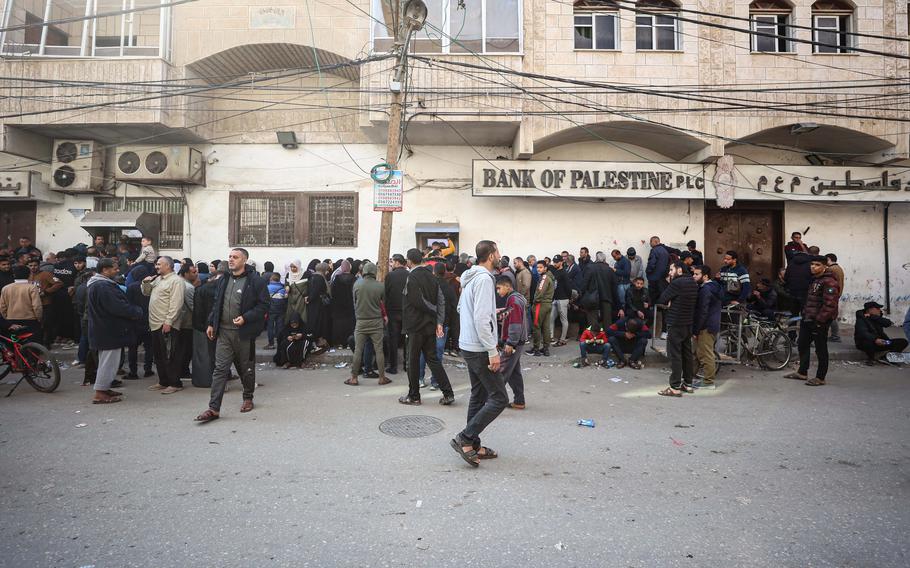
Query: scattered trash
point(78, 412)
point(586, 422)
point(626, 382)
point(341, 365)
point(526, 369)
point(559, 546)
point(530, 433)
point(216, 443)
point(419, 503)
point(677, 442)
point(545, 380)
point(684, 426)
point(615, 380)
point(610, 363)
point(81, 425)
point(107, 420)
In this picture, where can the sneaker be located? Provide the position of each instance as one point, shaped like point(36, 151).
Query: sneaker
point(132, 377)
point(545, 352)
point(447, 400)
point(581, 364)
point(171, 390)
point(156, 387)
point(409, 401)
point(533, 352)
point(148, 374)
point(423, 384)
point(663, 336)
point(434, 387)
point(270, 346)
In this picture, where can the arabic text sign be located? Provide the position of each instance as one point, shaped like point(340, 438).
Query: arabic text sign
point(388, 196)
point(687, 181)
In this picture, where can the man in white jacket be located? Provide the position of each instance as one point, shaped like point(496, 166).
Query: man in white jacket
point(478, 343)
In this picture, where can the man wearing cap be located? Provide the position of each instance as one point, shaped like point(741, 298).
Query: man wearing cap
point(869, 333)
point(820, 309)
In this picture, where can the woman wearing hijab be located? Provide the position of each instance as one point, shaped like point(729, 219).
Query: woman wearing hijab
point(293, 272)
point(342, 287)
point(317, 316)
point(292, 344)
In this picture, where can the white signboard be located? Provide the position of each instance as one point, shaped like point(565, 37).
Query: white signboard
point(272, 17)
point(389, 195)
point(687, 181)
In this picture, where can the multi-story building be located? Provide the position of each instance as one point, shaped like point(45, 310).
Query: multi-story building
point(542, 124)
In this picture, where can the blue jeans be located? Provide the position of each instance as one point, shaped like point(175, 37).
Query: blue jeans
point(440, 347)
point(621, 290)
point(603, 350)
point(82, 353)
point(275, 325)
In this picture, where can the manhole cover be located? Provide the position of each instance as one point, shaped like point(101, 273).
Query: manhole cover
point(411, 426)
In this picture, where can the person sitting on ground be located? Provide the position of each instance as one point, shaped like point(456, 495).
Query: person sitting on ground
point(763, 300)
point(292, 344)
point(593, 340)
point(628, 340)
point(869, 335)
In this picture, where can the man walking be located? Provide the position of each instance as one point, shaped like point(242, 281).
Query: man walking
point(166, 293)
point(394, 296)
point(706, 325)
point(369, 298)
point(821, 308)
point(424, 314)
point(514, 335)
point(682, 295)
point(478, 341)
point(237, 318)
point(112, 325)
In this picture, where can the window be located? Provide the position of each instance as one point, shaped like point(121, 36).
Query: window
point(659, 30)
point(170, 210)
point(137, 34)
point(596, 25)
point(456, 26)
point(293, 219)
point(770, 17)
point(831, 26)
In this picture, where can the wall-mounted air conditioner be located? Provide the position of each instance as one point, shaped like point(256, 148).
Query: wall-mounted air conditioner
point(77, 166)
point(160, 164)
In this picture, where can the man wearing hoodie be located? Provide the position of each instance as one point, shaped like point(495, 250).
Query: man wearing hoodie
point(798, 278)
point(112, 325)
point(237, 318)
point(707, 321)
point(636, 266)
point(424, 313)
point(478, 342)
point(369, 300)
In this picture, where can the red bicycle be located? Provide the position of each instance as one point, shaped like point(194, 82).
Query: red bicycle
point(36, 363)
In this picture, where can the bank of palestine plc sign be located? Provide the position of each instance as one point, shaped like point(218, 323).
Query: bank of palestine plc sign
point(507, 178)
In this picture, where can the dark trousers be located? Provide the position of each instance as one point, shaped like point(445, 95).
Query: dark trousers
point(145, 339)
point(655, 289)
point(168, 352)
point(511, 374)
point(679, 350)
point(488, 397)
point(604, 316)
point(91, 367)
point(871, 350)
point(634, 349)
point(420, 342)
point(811, 332)
point(394, 330)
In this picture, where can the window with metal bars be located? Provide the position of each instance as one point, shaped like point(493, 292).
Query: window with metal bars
point(170, 210)
point(293, 219)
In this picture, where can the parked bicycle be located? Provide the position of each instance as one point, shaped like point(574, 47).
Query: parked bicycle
point(33, 360)
point(744, 336)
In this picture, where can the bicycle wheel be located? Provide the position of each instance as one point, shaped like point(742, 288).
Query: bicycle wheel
point(725, 347)
point(42, 370)
point(774, 351)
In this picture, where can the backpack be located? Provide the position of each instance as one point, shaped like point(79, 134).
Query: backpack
point(733, 286)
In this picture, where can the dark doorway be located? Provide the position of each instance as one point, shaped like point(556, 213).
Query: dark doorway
point(17, 219)
point(753, 230)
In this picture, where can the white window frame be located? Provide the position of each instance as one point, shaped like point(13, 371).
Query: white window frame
point(593, 14)
point(447, 30)
point(837, 16)
point(774, 28)
point(85, 48)
point(677, 32)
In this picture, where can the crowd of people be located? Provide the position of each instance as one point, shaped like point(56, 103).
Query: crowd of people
point(194, 321)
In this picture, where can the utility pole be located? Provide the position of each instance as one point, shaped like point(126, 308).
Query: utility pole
point(407, 19)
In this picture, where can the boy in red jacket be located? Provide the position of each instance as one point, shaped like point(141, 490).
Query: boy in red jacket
point(593, 340)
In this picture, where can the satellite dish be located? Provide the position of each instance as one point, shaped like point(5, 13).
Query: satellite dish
point(415, 14)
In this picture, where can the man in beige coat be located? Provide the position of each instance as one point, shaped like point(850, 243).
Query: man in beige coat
point(166, 293)
point(20, 302)
point(838, 273)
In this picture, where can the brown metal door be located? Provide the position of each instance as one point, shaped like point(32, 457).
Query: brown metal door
point(721, 235)
point(756, 244)
point(752, 234)
point(17, 219)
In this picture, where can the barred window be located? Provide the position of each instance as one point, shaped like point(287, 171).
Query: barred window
point(293, 219)
point(170, 210)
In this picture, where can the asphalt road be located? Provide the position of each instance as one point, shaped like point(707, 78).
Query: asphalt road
point(759, 472)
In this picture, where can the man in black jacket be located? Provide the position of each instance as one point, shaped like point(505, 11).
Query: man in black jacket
point(600, 280)
point(203, 347)
point(682, 295)
point(237, 317)
point(424, 311)
point(394, 294)
point(144, 335)
point(869, 334)
point(798, 278)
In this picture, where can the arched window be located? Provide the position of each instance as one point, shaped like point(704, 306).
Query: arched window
point(596, 25)
point(770, 18)
point(832, 22)
point(659, 29)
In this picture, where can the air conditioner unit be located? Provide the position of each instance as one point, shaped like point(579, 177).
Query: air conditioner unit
point(26, 185)
point(160, 164)
point(77, 166)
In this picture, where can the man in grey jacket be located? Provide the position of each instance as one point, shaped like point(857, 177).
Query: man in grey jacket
point(478, 343)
